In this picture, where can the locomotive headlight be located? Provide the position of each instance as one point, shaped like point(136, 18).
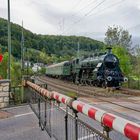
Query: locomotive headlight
point(125, 79)
point(109, 78)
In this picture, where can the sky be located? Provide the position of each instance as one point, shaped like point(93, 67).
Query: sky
point(74, 17)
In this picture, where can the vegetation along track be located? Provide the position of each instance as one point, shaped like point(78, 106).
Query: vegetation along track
point(84, 91)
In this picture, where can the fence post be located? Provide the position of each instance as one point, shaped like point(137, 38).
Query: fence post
point(39, 117)
point(45, 115)
point(50, 122)
point(138, 82)
point(76, 125)
point(106, 131)
point(14, 97)
point(66, 123)
point(46, 86)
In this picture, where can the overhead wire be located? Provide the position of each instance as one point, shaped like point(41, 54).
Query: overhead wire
point(95, 8)
point(88, 13)
point(110, 6)
point(81, 9)
point(77, 4)
point(85, 15)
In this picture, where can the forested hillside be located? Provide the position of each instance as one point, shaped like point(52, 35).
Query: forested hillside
point(58, 46)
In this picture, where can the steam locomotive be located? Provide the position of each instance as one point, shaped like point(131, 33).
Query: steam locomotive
point(102, 70)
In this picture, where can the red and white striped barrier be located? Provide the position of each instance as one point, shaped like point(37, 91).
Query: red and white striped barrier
point(127, 128)
point(62, 98)
point(54, 95)
point(40, 90)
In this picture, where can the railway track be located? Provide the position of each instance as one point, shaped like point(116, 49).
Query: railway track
point(93, 92)
point(96, 90)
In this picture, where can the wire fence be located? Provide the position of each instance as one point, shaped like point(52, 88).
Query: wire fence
point(60, 121)
point(133, 83)
point(16, 95)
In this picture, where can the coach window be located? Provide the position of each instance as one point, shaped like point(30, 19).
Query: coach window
point(77, 61)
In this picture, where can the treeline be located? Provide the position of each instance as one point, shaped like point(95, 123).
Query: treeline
point(63, 47)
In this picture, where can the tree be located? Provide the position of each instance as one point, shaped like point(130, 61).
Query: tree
point(124, 58)
point(116, 35)
point(4, 66)
point(15, 70)
point(15, 73)
point(137, 50)
point(136, 64)
point(50, 44)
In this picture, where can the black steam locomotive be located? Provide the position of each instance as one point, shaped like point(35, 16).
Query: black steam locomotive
point(102, 70)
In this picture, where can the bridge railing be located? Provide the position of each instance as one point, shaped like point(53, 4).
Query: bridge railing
point(65, 118)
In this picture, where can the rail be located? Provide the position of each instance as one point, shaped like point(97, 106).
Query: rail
point(70, 109)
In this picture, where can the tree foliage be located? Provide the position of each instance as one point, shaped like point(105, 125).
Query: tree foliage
point(136, 66)
point(60, 47)
point(124, 58)
point(116, 35)
point(4, 66)
point(15, 70)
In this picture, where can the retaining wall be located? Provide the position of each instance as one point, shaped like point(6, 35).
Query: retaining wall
point(4, 93)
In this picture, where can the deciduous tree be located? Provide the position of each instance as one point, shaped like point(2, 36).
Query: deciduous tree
point(124, 58)
point(116, 35)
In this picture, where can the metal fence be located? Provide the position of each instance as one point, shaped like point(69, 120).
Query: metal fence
point(60, 121)
point(133, 84)
point(16, 95)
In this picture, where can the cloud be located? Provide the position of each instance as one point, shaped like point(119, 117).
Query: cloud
point(74, 17)
point(125, 15)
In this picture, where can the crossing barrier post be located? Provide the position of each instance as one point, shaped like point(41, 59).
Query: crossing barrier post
point(66, 123)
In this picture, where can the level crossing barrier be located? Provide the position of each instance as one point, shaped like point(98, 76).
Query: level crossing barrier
point(61, 116)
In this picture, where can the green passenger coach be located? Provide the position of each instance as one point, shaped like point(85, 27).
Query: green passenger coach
point(60, 69)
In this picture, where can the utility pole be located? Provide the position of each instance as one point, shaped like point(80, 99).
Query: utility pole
point(77, 66)
point(22, 50)
point(9, 42)
point(78, 46)
point(27, 63)
point(9, 48)
point(22, 62)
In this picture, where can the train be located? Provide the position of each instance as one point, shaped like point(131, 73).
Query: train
point(102, 70)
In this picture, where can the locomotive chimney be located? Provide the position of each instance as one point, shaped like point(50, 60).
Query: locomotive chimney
point(109, 50)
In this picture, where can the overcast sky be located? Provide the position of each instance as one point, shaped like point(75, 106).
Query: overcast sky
point(74, 17)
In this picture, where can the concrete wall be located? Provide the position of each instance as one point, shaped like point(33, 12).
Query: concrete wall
point(4, 93)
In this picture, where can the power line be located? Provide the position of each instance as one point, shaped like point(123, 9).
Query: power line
point(110, 6)
point(90, 2)
point(95, 8)
point(85, 15)
point(77, 4)
point(103, 10)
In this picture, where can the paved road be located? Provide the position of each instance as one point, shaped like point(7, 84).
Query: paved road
point(21, 125)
